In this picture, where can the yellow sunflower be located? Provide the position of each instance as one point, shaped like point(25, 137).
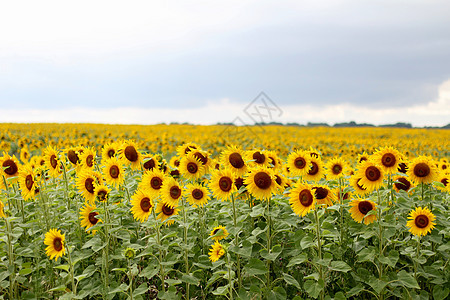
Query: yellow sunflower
point(149, 162)
point(273, 159)
point(24, 155)
point(197, 195)
point(422, 169)
point(221, 184)
point(360, 208)
point(336, 168)
point(324, 195)
point(362, 157)
point(73, 156)
point(88, 217)
point(444, 178)
point(174, 162)
point(87, 158)
point(371, 176)
point(256, 158)
point(402, 183)
point(216, 251)
point(142, 205)
point(204, 159)
point(388, 159)
point(218, 233)
point(55, 244)
point(281, 181)
point(165, 211)
point(302, 199)
point(129, 154)
point(27, 182)
point(52, 162)
point(232, 158)
point(298, 163)
point(355, 183)
point(421, 221)
point(316, 169)
point(261, 183)
point(101, 192)
point(113, 172)
point(345, 195)
point(171, 192)
point(190, 167)
point(152, 181)
point(184, 149)
point(9, 166)
point(86, 182)
point(110, 150)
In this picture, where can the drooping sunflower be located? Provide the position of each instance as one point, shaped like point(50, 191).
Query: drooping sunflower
point(324, 195)
point(165, 211)
point(101, 192)
point(218, 233)
point(9, 166)
point(221, 184)
point(371, 176)
point(298, 163)
point(232, 158)
point(87, 158)
point(186, 148)
point(355, 183)
point(302, 199)
point(388, 159)
point(52, 161)
point(86, 182)
point(153, 181)
point(422, 169)
point(336, 168)
point(149, 162)
point(190, 167)
point(402, 183)
point(256, 158)
point(88, 216)
point(216, 251)
point(360, 208)
point(171, 191)
point(197, 194)
point(113, 172)
point(316, 169)
point(261, 183)
point(142, 205)
point(55, 244)
point(129, 154)
point(27, 182)
point(421, 221)
point(73, 156)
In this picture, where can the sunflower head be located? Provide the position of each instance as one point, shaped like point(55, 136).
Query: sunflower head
point(233, 159)
point(164, 211)
point(221, 184)
point(130, 155)
point(218, 233)
point(336, 168)
point(324, 195)
point(110, 150)
point(27, 182)
point(422, 169)
point(302, 199)
point(153, 181)
point(298, 163)
point(52, 161)
point(316, 170)
point(9, 166)
point(142, 205)
point(101, 192)
point(388, 159)
point(191, 167)
point(149, 162)
point(261, 183)
point(114, 172)
point(171, 191)
point(186, 148)
point(55, 244)
point(421, 221)
point(257, 158)
point(87, 158)
point(88, 216)
point(86, 182)
point(216, 251)
point(197, 195)
point(371, 176)
point(402, 183)
point(359, 210)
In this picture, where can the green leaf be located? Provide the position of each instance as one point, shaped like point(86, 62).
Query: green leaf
point(297, 260)
point(440, 292)
point(291, 280)
point(276, 250)
point(173, 281)
point(143, 288)
point(390, 260)
point(190, 279)
point(313, 288)
point(407, 280)
point(25, 271)
point(60, 288)
point(221, 290)
point(355, 291)
point(278, 293)
point(377, 284)
point(340, 266)
point(255, 267)
point(257, 211)
point(306, 242)
point(367, 254)
point(62, 267)
point(120, 269)
point(339, 296)
point(121, 288)
point(149, 272)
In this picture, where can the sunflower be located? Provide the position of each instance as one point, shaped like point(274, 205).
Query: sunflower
point(355, 183)
point(261, 183)
point(316, 170)
point(388, 159)
point(86, 182)
point(184, 149)
point(362, 157)
point(281, 181)
point(55, 244)
point(256, 158)
point(324, 195)
point(24, 155)
point(87, 158)
point(421, 221)
point(336, 168)
point(190, 167)
point(371, 176)
point(197, 195)
point(174, 162)
point(2, 213)
point(165, 211)
point(110, 150)
point(221, 184)
point(89, 217)
point(345, 196)
point(216, 251)
point(204, 159)
point(52, 161)
point(445, 180)
point(233, 159)
point(152, 181)
point(218, 233)
point(142, 205)
point(360, 208)
point(171, 192)
point(9, 166)
point(274, 160)
point(403, 166)
point(402, 183)
point(27, 182)
point(101, 192)
point(422, 170)
point(130, 155)
point(149, 162)
point(113, 172)
point(302, 199)
point(298, 163)
point(73, 156)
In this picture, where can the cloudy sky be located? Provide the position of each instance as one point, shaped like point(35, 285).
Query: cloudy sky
point(205, 61)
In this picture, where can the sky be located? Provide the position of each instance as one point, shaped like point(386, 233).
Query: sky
point(203, 62)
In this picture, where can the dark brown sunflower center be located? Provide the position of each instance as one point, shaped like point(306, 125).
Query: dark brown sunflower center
point(156, 183)
point(145, 204)
point(373, 173)
point(402, 168)
point(201, 157)
point(189, 149)
point(192, 167)
point(92, 219)
point(239, 182)
point(364, 207)
point(29, 182)
point(444, 167)
point(57, 244)
point(421, 221)
point(313, 154)
point(262, 180)
point(215, 231)
point(72, 156)
point(167, 210)
point(149, 164)
point(114, 171)
point(306, 198)
point(102, 195)
point(259, 157)
point(225, 184)
point(363, 158)
point(90, 161)
point(236, 160)
point(175, 192)
point(111, 153)
point(89, 185)
point(388, 160)
point(131, 153)
point(300, 162)
point(175, 173)
point(278, 179)
point(337, 169)
point(197, 194)
point(402, 184)
point(360, 186)
point(320, 192)
point(53, 161)
point(422, 170)
point(176, 163)
point(314, 169)
point(444, 181)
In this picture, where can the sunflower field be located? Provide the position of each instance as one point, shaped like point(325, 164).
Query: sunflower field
point(90, 211)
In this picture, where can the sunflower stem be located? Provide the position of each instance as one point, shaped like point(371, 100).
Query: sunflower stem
point(130, 276)
point(380, 228)
point(158, 240)
point(341, 210)
point(66, 191)
point(269, 243)
point(230, 281)
point(319, 249)
point(106, 248)
point(10, 258)
point(74, 287)
point(236, 242)
point(417, 257)
point(186, 257)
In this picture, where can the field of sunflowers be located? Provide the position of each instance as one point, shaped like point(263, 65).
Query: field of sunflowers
point(90, 211)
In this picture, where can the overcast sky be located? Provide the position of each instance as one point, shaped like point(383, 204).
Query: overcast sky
point(205, 61)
